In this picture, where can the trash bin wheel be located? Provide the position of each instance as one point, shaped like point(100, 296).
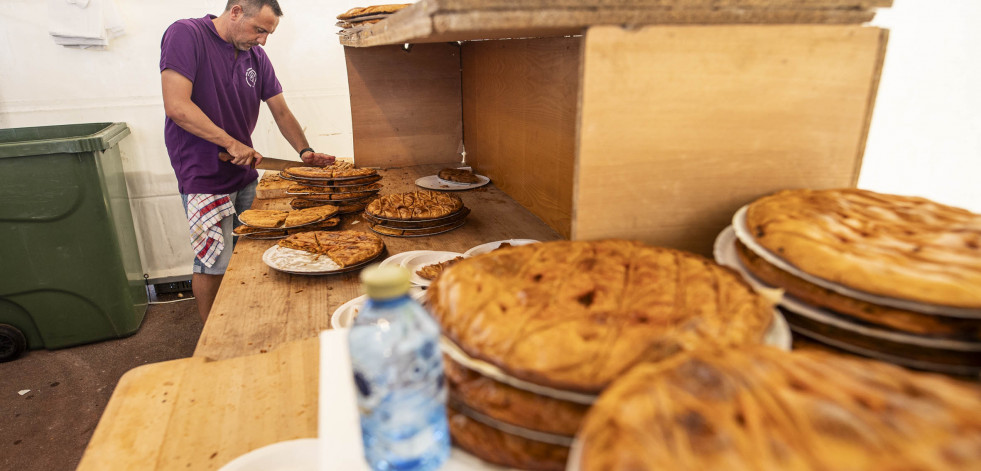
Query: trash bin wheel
point(12, 342)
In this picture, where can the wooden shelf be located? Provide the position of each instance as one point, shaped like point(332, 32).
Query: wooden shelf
point(431, 21)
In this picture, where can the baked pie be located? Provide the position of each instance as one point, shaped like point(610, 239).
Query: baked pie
point(301, 217)
point(328, 173)
point(896, 246)
point(762, 408)
point(264, 218)
point(372, 10)
point(458, 175)
point(346, 248)
point(430, 272)
point(575, 315)
point(415, 205)
point(877, 314)
point(298, 189)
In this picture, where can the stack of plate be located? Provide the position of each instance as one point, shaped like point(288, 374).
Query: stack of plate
point(349, 193)
point(906, 332)
point(449, 213)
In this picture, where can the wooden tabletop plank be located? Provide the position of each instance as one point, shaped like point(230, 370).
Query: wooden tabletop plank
point(196, 414)
point(431, 21)
point(259, 308)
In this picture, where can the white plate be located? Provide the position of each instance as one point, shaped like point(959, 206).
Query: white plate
point(416, 261)
point(433, 182)
point(484, 248)
point(344, 315)
point(397, 258)
point(290, 455)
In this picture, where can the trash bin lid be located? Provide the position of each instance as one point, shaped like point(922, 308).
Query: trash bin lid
point(65, 138)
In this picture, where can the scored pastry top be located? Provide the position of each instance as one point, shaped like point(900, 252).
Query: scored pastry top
point(576, 315)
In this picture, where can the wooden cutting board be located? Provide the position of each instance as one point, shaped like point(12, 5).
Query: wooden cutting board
point(271, 186)
point(198, 414)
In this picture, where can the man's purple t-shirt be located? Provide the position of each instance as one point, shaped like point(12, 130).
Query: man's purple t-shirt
point(228, 89)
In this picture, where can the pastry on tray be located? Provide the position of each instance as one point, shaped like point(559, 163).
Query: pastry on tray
point(575, 315)
point(458, 175)
point(879, 315)
point(346, 248)
point(430, 272)
point(535, 330)
point(328, 173)
point(415, 205)
point(900, 247)
point(372, 10)
point(759, 408)
point(263, 218)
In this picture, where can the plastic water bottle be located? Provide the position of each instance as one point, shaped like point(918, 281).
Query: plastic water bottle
point(398, 372)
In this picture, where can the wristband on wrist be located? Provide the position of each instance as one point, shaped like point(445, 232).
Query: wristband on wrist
point(307, 149)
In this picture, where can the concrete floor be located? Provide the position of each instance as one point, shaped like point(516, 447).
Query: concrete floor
point(48, 427)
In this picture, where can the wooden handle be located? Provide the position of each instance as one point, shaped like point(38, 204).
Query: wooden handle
point(226, 157)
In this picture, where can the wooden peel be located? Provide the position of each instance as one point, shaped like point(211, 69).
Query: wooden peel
point(268, 163)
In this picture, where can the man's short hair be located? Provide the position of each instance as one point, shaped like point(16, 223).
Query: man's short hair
point(252, 7)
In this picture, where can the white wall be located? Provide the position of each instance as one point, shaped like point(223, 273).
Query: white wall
point(42, 83)
point(925, 137)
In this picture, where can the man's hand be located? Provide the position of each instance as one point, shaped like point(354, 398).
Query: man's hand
point(244, 155)
point(317, 159)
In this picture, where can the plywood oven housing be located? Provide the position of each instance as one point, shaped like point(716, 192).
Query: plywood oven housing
point(643, 119)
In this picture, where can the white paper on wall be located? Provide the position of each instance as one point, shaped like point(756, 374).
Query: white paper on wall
point(84, 24)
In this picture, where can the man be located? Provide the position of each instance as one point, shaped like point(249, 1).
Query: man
point(214, 76)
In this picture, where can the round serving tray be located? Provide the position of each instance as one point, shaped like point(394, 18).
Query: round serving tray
point(284, 227)
point(441, 218)
point(915, 351)
point(403, 224)
point(744, 235)
point(326, 181)
point(415, 232)
point(375, 187)
point(325, 197)
point(268, 259)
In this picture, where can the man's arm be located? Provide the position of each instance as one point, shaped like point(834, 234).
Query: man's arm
point(291, 130)
point(183, 111)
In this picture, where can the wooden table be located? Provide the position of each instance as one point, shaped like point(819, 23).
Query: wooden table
point(253, 378)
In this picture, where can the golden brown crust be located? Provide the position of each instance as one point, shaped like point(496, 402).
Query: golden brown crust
point(423, 231)
point(264, 218)
point(372, 10)
point(415, 205)
point(458, 175)
point(430, 272)
point(340, 196)
point(514, 406)
point(899, 319)
point(504, 449)
point(576, 315)
point(761, 408)
point(346, 248)
point(325, 224)
point(896, 246)
point(249, 230)
point(297, 189)
point(328, 172)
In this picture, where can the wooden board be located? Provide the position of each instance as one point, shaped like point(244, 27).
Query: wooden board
point(519, 114)
point(405, 106)
point(259, 308)
point(680, 126)
point(461, 20)
point(197, 414)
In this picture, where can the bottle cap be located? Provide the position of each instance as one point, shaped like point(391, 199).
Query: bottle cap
point(386, 282)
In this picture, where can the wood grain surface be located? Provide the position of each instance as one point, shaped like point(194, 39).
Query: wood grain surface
point(680, 126)
point(197, 414)
point(405, 105)
point(259, 308)
point(430, 21)
point(520, 101)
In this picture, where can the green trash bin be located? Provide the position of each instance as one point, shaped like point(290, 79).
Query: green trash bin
point(70, 270)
